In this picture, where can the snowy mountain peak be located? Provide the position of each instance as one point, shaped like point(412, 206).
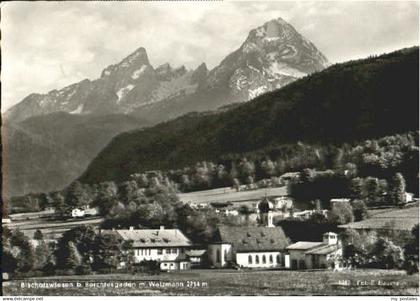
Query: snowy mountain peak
point(273, 55)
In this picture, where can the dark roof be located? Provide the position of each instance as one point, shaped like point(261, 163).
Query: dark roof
point(146, 238)
point(304, 245)
point(324, 249)
point(247, 239)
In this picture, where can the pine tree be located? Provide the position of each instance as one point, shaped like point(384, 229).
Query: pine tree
point(73, 258)
point(397, 189)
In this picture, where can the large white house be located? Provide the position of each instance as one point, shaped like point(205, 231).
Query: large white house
point(167, 246)
point(315, 255)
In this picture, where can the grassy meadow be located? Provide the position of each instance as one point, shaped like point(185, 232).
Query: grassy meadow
point(229, 282)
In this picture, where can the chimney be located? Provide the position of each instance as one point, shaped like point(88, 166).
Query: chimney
point(131, 228)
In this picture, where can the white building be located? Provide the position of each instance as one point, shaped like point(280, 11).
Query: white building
point(332, 201)
point(409, 197)
point(84, 211)
point(315, 255)
point(252, 247)
point(167, 246)
point(77, 212)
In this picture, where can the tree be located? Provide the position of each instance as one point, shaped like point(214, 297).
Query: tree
point(387, 254)
point(9, 262)
point(411, 252)
point(246, 169)
point(44, 201)
point(341, 213)
point(26, 258)
point(73, 258)
point(38, 235)
point(22, 250)
point(397, 189)
point(246, 211)
point(268, 167)
point(307, 175)
point(106, 197)
point(61, 208)
point(356, 186)
point(236, 184)
point(76, 195)
point(83, 238)
point(360, 211)
point(107, 253)
point(43, 255)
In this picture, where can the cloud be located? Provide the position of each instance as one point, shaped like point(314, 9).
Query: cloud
point(48, 45)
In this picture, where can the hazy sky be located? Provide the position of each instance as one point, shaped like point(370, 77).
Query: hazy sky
point(48, 45)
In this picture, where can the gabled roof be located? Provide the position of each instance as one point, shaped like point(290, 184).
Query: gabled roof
point(305, 245)
point(322, 250)
point(148, 238)
point(247, 239)
point(313, 247)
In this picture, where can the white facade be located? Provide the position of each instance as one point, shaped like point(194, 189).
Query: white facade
point(260, 259)
point(158, 254)
point(166, 246)
point(220, 254)
point(313, 255)
point(78, 212)
point(171, 266)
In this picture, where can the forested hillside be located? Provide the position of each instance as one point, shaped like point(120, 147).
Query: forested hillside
point(53, 150)
point(347, 102)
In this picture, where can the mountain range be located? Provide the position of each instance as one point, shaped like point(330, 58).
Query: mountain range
point(51, 138)
point(345, 103)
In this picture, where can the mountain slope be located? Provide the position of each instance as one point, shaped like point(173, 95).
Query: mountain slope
point(272, 56)
point(355, 100)
point(46, 153)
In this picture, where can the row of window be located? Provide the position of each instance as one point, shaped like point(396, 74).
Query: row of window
point(146, 252)
point(263, 259)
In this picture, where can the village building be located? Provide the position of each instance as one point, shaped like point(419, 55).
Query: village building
point(252, 247)
point(283, 203)
point(247, 246)
point(84, 211)
point(409, 197)
point(167, 246)
point(315, 255)
point(289, 177)
point(334, 201)
point(197, 258)
point(306, 214)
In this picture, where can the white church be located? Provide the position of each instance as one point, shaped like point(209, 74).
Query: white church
point(267, 246)
point(248, 246)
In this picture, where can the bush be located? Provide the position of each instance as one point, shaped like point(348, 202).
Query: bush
point(151, 267)
point(83, 269)
point(70, 272)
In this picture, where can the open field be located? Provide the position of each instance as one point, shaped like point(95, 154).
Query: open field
point(228, 282)
point(398, 219)
point(229, 194)
point(51, 228)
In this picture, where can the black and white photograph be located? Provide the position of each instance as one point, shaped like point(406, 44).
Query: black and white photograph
point(210, 148)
